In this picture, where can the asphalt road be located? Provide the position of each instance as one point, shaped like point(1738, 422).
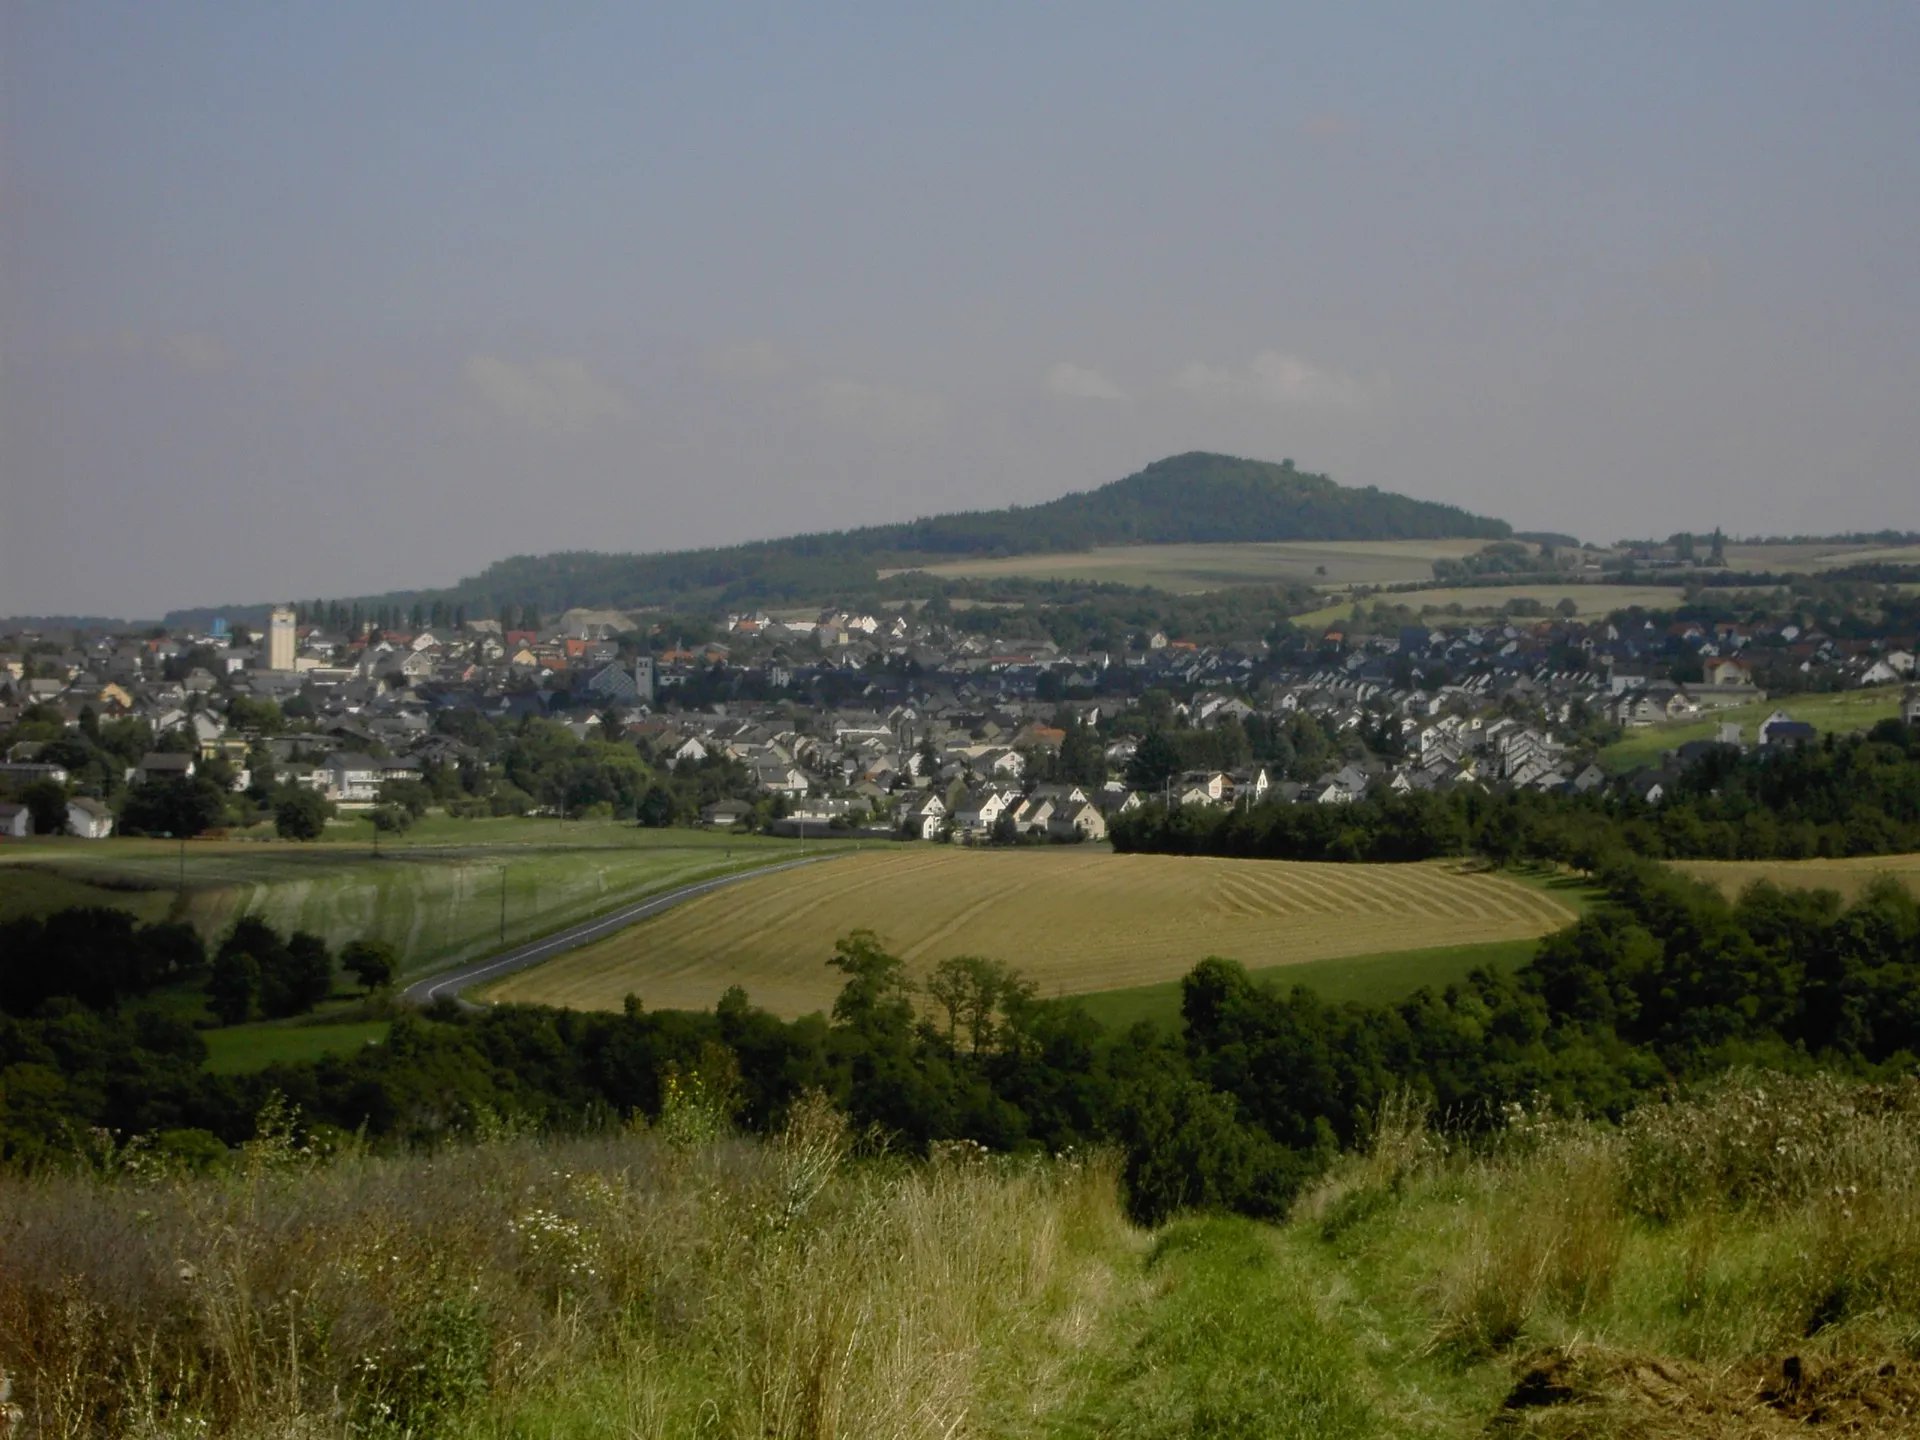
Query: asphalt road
point(450, 983)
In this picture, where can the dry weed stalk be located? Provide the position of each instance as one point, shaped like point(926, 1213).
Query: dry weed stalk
point(775, 1289)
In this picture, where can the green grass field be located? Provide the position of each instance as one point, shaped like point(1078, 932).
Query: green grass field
point(37, 887)
point(1843, 713)
point(436, 897)
point(240, 1048)
point(1368, 979)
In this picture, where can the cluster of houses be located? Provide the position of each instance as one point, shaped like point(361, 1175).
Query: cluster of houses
point(932, 728)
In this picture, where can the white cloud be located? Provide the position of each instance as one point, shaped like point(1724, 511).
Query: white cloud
point(884, 410)
point(1275, 379)
point(756, 357)
point(1081, 382)
point(548, 396)
point(195, 354)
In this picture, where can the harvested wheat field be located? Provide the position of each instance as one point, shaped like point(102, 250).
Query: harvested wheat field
point(1073, 920)
point(1849, 876)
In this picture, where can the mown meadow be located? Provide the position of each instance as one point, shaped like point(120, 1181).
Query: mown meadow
point(1079, 919)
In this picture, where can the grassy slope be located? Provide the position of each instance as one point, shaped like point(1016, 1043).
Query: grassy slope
point(240, 1048)
point(1847, 711)
point(1571, 1280)
point(1662, 1279)
point(1073, 919)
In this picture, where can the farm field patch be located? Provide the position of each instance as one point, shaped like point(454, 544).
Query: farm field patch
point(1782, 559)
point(1073, 920)
point(437, 903)
point(1849, 876)
point(29, 889)
point(1843, 712)
point(1593, 600)
point(1193, 568)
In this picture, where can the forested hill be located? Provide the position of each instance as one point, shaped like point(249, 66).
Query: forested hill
point(1188, 498)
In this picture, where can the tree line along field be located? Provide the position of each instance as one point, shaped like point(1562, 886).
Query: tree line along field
point(1359, 979)
point(1072, 920)
point(437, 903)
point(1848, 877)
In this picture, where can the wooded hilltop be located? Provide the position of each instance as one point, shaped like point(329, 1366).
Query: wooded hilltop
point(1186, 499)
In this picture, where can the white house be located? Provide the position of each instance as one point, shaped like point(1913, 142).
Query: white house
point(923, 816)
point(1084, 820)
point(16, 821)
point(725, 814)
point(1033, 812)
point(980, 810)
point(779, 778)
point(89, 819)
point(351, 779)
point(692, 750)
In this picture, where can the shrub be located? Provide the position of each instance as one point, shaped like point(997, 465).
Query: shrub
point(300, 814)
point(371, 962)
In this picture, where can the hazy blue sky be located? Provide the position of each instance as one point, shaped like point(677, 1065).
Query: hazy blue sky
point(316, 299)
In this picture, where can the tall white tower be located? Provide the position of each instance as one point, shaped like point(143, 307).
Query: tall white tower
point(280, 639)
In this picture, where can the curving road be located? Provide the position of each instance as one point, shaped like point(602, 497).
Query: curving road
point(448, 984)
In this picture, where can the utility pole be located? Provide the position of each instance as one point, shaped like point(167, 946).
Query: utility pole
point(503, 904)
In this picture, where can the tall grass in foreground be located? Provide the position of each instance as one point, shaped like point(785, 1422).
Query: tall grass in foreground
point(672, 1282)
point(1745, 1258)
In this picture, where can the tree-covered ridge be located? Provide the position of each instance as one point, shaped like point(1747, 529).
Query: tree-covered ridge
point(1191, 498)
point(1196, 498)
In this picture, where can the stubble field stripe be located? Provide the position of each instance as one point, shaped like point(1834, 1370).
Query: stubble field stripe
point(773, 898)
point(1441, 893)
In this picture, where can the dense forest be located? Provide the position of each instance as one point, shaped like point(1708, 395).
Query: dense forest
point(1195, 497)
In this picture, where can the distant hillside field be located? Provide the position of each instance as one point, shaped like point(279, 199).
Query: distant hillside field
point(1593, 600)
point(1072, 919)
point(437, 903)
point(1194, 568)
point(1814, 556)
point(1849, 876)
